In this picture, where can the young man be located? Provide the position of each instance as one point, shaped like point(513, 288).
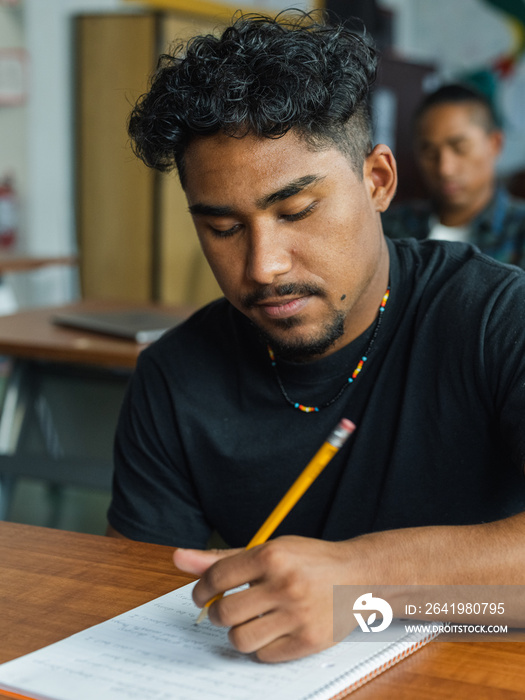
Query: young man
point(457, 144)
point(420, 344)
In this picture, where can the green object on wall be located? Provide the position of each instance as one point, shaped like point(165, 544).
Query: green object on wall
point(514, 8)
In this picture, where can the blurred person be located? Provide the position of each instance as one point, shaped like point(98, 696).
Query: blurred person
point(457, 144)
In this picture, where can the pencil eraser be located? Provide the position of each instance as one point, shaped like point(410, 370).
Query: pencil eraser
point(341, 433)
point(347, 425)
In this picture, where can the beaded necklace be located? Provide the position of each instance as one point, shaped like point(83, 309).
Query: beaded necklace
point(351, 378)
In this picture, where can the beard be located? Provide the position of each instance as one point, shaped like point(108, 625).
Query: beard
point(304, 349)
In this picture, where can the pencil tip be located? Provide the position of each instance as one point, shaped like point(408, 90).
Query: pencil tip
point(202, 615)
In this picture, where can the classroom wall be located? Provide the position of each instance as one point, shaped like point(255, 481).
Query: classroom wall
point(13, 125)
point(36, 141)
point(13, 146)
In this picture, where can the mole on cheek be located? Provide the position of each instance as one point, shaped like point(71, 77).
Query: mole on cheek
point(343, 297)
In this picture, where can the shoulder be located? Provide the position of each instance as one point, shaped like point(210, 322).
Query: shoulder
point(516, 207)
point(201, 330)
point(505, 212)
point(509, 200)
point(213, 337)
point(459, 270)
point(461, 301)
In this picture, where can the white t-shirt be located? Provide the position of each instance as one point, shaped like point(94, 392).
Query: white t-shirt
point(439, 232)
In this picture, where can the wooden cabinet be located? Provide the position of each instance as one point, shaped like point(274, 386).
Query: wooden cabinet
point(136, 239)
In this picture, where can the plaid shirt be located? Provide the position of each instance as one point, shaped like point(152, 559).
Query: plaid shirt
point(498, 231)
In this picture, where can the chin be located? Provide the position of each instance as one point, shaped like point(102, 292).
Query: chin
point(302, 347)
point(454, 200)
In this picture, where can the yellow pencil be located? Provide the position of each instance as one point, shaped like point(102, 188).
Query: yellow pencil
point(333, 443)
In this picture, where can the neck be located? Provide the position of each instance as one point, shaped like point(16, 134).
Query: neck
point(364, 312)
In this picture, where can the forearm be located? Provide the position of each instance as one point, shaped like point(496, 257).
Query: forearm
point(441, 571)
point(486, 554)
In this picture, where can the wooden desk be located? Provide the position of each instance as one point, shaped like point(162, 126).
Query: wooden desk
point(13, 261)
point(56, 583)
point(62, 398)
point(31, 335)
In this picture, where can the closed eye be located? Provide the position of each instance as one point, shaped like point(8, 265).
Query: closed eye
point(224, 233)
point(300, 214)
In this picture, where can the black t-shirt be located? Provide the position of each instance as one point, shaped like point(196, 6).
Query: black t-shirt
point(207, 442)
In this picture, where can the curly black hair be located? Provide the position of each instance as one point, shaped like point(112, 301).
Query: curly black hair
point(262, 76)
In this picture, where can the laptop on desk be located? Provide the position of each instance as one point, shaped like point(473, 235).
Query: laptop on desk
point(140, 325)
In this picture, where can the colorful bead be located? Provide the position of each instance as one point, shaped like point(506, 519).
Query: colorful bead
point(307, 409)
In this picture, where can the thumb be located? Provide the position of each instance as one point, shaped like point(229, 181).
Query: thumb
point(196, 561)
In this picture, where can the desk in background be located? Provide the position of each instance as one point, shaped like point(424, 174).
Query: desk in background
point(56, 583)
point(13, 261)
point(62, 398)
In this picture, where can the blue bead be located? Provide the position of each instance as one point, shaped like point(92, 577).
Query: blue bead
point(350, 379)
point(364, 359)
point(296, 405)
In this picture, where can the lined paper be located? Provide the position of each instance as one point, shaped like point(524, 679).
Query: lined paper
point(157, 652)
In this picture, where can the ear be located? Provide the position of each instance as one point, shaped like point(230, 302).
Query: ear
point(497, 140)
point(380, 176)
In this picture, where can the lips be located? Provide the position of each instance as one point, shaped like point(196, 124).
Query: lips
point(283, 308)
point(449, 189)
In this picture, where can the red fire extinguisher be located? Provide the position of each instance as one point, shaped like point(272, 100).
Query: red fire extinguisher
point(8, 213)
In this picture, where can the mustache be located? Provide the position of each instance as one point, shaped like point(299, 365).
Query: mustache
point(282, 290)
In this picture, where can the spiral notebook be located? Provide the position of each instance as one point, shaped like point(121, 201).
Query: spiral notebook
point(157, 651)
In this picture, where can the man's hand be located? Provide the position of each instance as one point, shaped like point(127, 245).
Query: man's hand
point(286, 613)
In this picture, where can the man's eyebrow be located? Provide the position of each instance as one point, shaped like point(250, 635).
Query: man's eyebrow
point(210, 210)
point(453, 140)
point(289, 190)
point(428, 143)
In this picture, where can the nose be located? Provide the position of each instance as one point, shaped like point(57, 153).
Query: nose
point(446, 163)
point(269, 254)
